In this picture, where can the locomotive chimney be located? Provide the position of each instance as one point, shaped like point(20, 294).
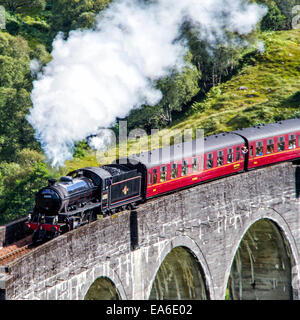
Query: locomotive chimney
point(51, 182)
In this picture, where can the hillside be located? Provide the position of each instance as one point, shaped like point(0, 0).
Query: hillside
point(265, 89)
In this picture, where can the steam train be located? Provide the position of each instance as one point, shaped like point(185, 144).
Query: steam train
point(79, 197)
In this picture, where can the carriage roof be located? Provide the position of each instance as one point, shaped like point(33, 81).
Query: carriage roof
point(270, 130)
point(185, 150)
point(214, 142)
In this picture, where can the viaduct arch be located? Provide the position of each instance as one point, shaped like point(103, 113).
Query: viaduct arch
point(208, 221)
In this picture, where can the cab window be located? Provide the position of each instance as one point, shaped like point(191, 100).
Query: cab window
point(106, 184)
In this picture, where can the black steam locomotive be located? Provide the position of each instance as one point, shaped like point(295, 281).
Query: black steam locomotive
point(77, 198)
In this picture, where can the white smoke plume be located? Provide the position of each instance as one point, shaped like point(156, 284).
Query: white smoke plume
point(98, 75)
point(35, 67)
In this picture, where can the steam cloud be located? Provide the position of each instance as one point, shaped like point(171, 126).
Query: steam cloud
point(101, 74)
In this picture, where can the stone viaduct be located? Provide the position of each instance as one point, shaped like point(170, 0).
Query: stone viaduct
point(237, 237)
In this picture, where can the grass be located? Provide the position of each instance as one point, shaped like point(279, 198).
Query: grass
point(271, 83)
point(266, 89)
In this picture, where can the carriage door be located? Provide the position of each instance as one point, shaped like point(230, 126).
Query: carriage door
point(251, 153)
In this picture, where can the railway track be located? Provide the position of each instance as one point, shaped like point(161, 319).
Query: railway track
point(19, 248)
point(15, 250)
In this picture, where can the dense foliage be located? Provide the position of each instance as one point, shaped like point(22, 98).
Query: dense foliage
point(72, 14)
point(24, 6)
point(279, 16)
point(200, 89)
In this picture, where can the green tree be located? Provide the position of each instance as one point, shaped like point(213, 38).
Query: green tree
point(286, 7)
point(73, 14)
point(274, 19)
point(81, 149)
point(22, 171)
point(24, 6)
point(146, 117)
point(216, 63)
point(19, 182)
point(15, 132)
point(15, 102)
point(280, 14)
point(14, 62)
point(177, 89)
point(40, 53)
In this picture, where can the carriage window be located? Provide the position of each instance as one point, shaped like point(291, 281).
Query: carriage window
point(298, 140)
point(281, 144)
point(210, 160)
point(220, 158)
point(163, 173)
point(292, 141)
point(149, 178)
point(195, 165)
point(237, 153)
point(184, 168)
point(154, 176)
point(174, 171)
point(229, 155)
point(259, 148)
point(270, 146)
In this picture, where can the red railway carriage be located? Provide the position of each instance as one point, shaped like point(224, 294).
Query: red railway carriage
point(270, 143)
point(182, 165)
point(222, 156)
